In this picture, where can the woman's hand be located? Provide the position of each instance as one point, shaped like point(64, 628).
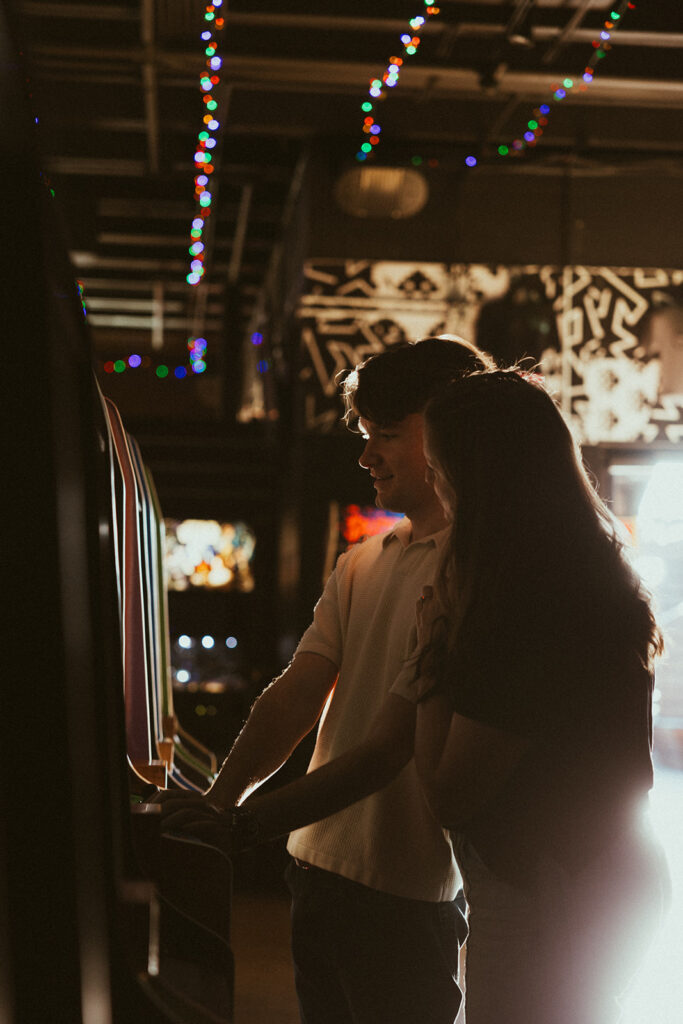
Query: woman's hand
point(431, 617)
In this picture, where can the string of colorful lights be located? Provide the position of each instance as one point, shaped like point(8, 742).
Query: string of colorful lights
point(537, 123)
point(389, 80)
point(204, 166)
point(206, 141)
point(197, 363)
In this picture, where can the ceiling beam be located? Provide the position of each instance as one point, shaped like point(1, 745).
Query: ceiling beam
point(281, 73)
point(169, 241)
point(123, 321)
point(101, 304)
point(116, 167)
point(177, 209)
point(84, 259)
point(91, 285)
point(80, 12)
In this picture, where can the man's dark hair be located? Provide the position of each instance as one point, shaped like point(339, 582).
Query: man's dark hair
point(401, 380)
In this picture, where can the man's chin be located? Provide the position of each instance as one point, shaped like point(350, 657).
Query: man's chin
point(384, 501)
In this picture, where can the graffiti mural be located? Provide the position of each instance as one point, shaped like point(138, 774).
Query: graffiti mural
point(608, 340)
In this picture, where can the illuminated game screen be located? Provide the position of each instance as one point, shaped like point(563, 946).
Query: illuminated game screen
point(350, 524)
point(207, 554)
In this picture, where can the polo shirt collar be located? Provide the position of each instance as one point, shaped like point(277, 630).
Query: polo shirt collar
point(401, 533)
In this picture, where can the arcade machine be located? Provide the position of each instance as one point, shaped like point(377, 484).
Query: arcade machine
point(103, 921)
point(216, 593)
point(350, 524)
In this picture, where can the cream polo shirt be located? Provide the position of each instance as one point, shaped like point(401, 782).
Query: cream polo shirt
point(365, 624)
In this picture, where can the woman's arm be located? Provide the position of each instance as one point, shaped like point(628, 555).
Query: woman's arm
point(461, 762)
point(369, 766)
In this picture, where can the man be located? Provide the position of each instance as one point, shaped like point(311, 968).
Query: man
point(376, 925)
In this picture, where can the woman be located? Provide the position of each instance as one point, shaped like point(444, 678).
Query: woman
point(533, 732)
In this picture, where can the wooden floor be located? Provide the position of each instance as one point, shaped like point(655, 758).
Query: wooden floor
point(264, 983)
point(264, 980)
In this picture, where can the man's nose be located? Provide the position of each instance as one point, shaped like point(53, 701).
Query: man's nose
point(368, 457)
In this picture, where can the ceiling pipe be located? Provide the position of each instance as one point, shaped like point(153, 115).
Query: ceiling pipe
point(564, 35)
point(518, 31)
point(149, 77)
point(240, 234)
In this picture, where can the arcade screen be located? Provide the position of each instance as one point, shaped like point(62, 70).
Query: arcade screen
point(356, 522)
point(350, 524)
point(208, 554)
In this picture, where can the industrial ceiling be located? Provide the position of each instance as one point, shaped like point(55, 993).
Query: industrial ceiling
point(115, 88)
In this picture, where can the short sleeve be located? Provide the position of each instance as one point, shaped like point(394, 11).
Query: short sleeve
point(325, 634)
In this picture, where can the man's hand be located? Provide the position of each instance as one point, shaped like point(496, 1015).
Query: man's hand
point(191, 815)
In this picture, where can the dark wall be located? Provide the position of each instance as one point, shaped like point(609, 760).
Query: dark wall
point(529, 214)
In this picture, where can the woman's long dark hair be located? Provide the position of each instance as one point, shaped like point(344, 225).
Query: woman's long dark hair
point(534, 555)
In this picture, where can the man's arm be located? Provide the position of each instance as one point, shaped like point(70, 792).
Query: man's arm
point(284, 713)
point(369, 766)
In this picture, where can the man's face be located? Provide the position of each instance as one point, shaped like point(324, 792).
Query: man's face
point(395, 458)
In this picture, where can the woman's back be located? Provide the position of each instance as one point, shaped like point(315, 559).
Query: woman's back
point(572, 682)
point(545, 663)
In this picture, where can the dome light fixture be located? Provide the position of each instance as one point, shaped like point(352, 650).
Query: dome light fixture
point(381, 192)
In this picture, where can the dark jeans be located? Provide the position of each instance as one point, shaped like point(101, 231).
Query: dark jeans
point(365, 957)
